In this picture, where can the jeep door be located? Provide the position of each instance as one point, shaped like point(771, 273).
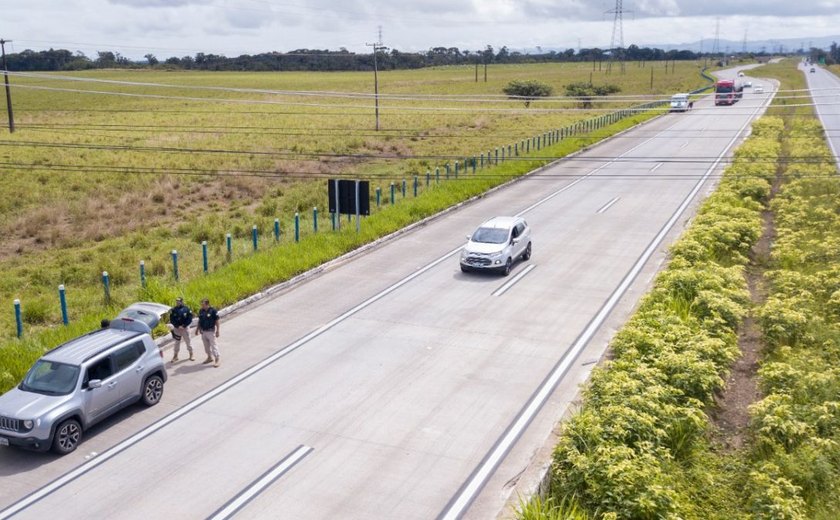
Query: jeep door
point(100, 400)
point(130, 369)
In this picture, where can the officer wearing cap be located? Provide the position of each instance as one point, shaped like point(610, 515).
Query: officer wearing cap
point(180, 317)
point(208, 328)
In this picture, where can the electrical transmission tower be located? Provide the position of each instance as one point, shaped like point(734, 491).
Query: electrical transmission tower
point(744, 46)
point(617, 40)
point(716, 44)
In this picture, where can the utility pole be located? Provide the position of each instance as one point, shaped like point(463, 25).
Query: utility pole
point(376, 47)
point(8, 90)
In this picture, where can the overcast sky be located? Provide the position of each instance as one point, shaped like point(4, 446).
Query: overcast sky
point(233, 27)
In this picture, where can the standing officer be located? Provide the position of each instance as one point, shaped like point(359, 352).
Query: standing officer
point(181, 318)
point(208, 327)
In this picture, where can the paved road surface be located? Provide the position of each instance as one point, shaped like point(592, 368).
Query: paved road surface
point(393, 385)
point(825, 89)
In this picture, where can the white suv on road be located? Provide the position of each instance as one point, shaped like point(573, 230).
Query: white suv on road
point(496, 245)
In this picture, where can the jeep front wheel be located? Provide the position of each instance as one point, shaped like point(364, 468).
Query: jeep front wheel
point(68, 435)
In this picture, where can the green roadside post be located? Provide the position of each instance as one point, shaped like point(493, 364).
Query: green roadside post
point(473, 163)
point(482, 160)
point(456, 169)
point(106, 284)
point(277, 230)
point(315, 219)
point(437, 175)
point(428, 178)
point(18, 319)
point(142, 274)
point(175, 264)
point(297, 227)
point(378, 196)
point(415, 186)
point(404, 186)
point(447, 171)
point(393, 193)
point(229, 244)
point(254, 236)
point(204, 256)
point(62, 300)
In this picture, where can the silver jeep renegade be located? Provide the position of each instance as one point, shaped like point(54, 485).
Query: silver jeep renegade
point(84, 381)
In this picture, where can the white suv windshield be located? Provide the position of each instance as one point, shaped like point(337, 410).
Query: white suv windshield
point(490, 235)
point(51, 378)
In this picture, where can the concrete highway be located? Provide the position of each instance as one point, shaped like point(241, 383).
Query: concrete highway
point(825, 90)
point(392, 385)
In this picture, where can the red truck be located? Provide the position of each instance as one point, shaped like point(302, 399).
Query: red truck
point(728, 91)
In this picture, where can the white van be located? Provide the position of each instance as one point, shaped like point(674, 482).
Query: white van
point(680, 103)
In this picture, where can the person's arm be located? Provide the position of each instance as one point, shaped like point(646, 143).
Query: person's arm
point(217, 325)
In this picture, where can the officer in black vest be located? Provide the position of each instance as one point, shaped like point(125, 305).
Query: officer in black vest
point(180, 317)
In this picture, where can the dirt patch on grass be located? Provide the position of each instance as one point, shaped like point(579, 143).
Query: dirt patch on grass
point(731, 418)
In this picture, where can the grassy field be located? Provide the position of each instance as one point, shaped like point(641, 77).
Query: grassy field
point(102, 174)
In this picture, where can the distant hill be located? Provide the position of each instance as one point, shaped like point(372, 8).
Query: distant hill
point(788, 45)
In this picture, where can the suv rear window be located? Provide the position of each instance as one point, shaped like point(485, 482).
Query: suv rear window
point(126, 356)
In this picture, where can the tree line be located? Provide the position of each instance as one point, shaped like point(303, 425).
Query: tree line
point(330, 60)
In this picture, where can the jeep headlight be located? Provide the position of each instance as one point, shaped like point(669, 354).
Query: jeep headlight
point(28, 424)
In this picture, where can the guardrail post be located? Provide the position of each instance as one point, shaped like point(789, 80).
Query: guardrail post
point(254, 239)
point(18, 319)
point(297, 227)
point(204, 256)
point(62, 298)
point(175, 264)
point(142, 274)
point(106, 283)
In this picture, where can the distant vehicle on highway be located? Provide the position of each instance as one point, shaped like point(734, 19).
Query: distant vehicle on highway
point(758, 89)
point(496, 245)
point(740, 74)
point(728, 91)
point(680, 103)
point(748, 84)
point(85, 380)
point(813, 69)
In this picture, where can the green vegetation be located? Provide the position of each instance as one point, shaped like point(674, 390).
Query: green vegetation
point(133, 178)
point(527, 90)
point(642, 445)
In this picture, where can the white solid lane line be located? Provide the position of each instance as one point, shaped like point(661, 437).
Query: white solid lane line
point(242, 499)
point(503, 289)
point(607, 206)
point(465, 496)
